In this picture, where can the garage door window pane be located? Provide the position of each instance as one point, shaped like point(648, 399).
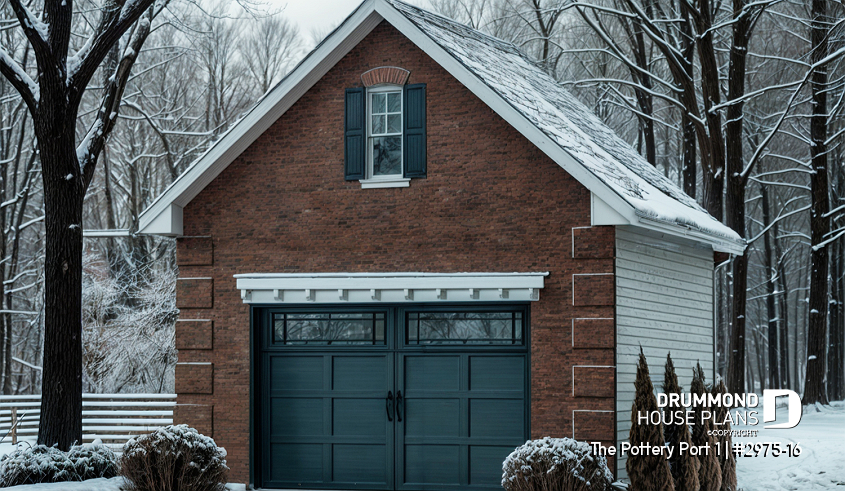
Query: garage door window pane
point(464, 328)
point(334, 329)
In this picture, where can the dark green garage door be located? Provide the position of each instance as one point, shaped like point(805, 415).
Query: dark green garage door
point(391, 398)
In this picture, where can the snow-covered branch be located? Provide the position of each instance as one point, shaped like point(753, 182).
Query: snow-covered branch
point(114, 23)
point(20, 80)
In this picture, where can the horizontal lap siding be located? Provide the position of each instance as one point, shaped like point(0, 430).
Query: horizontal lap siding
point(664, 303)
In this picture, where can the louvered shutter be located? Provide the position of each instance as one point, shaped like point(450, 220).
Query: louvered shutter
point(414, 130)
point(355, 134)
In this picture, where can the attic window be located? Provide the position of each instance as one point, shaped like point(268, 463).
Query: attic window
point(384, 142)
point(385, 135)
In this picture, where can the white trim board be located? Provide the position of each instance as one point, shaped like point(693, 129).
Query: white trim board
point(285, 288)
point(320, 61)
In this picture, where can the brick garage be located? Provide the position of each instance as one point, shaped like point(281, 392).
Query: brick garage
point(491, 201)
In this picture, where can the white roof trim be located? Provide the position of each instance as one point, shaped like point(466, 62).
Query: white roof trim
point(321, 288)
point(333, 48)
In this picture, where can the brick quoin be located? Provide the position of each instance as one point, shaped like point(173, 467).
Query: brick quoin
point(194, 251)
point(593, 242)
point(194, 334)
point(198, 416)
point(593, 289)
point(194, 378)
point(592, 333)
point(492, 202)
point(194, 293)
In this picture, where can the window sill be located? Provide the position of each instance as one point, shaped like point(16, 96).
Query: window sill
point(399, 182)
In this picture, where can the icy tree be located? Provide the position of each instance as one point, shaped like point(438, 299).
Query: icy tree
point(128, 329)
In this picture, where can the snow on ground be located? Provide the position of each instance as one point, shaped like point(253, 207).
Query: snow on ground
point(821, 434)
point(113, 484)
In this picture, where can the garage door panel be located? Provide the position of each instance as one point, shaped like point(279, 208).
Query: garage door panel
point(359, 464)
point(500, 373)
point(359, 417)
point(296, 417)
point(432, 464)
point(296, 462)
point(432, 417)
point(292, 373)
point(490, 418)
point(485, 464)
point(360, 373)
point(432, 373)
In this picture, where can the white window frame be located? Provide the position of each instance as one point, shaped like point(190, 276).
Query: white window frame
point(388, 181)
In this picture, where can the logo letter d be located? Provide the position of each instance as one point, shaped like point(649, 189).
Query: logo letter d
point(770, 408)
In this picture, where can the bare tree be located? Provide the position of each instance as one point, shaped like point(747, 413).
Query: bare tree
point(269, 51)
point(53, 98)
point(814, 386)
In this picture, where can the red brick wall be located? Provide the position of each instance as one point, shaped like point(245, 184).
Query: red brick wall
point(491, 202)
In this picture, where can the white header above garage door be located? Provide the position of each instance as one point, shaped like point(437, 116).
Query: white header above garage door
point(290, 288)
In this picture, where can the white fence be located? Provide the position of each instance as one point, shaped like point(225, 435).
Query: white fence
point(112, 418)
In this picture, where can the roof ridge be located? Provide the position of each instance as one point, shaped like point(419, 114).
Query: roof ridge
point(454, 22)
point(460, 25)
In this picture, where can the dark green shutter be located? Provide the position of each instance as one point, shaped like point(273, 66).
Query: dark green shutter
point(414, 130)
point(355, 134)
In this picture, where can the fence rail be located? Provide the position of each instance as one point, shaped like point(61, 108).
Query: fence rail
point(112, 418)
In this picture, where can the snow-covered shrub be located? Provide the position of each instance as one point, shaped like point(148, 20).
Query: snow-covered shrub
point(555, 464)
point(93, 460)
point(42, 464)
point(174, 458)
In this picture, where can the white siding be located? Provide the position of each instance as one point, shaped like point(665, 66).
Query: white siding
point(664, 303)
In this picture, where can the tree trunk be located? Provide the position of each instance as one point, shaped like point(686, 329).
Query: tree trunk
point(735, 198)
point(714, 154)
point(835, 343)
point(771, 290)
point(814, 386)
point(736, 221)
point(783, 303)
point(643, 92)
point(689, 171)
point(61, 402)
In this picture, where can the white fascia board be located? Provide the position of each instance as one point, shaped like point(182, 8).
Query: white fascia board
point(168, 222)
point(389, 287)
point(718, 245)
point(272, 106)
point(603, 214)
point(367, 281)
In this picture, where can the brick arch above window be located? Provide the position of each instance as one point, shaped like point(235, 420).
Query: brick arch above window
point(385, 75)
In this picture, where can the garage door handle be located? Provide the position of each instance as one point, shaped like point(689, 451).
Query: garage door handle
point(399, 406)
point(389, 405)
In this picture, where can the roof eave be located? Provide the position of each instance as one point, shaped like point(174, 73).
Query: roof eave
point(718, 243)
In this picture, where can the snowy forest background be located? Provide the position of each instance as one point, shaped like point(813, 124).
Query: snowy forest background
point(705, 81)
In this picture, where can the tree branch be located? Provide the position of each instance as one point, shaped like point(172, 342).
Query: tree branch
point(116, 20)
point(89, 149)
point(20, 80)
point(36, 32)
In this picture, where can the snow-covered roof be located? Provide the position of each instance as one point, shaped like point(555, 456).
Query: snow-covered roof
point(513, 86)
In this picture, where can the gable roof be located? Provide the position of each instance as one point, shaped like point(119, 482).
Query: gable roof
point(510, 84)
